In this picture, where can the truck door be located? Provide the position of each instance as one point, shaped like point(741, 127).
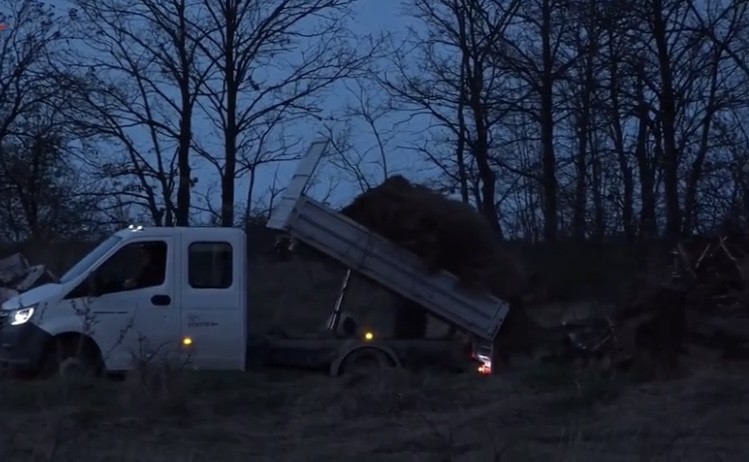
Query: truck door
point(134, 315)
point(212, 298)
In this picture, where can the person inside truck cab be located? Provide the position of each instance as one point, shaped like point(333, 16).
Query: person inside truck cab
point(150, 269)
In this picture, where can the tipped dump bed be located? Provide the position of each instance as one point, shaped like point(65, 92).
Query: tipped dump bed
point(378, 259)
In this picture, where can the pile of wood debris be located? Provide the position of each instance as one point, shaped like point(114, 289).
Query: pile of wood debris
point(703, 301)
point(716, 270)
point(714, 274)
point(18, 276)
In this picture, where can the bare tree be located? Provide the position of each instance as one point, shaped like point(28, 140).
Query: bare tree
point(31, 36)
point(575, 80)
point(45, 196)
point(683, 86)
point(554, 117)
point(726, 25)
point(539, 66)
point(580, 96)
point(365, 115)
point(43, 190)
point(273, 60)
point(141, 83)
point(446, 73)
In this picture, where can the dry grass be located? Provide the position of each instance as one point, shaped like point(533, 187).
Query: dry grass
point(540, 414)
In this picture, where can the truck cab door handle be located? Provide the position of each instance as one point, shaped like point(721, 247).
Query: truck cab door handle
point(161, 300)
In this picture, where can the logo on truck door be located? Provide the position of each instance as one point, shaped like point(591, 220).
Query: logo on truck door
point(194, 321)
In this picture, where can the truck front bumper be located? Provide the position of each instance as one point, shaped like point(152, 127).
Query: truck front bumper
point(22, 347)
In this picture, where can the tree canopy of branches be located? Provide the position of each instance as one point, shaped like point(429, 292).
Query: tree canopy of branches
point(581, 112)
point(556, 119)
point(40, 195)
point(244, 69)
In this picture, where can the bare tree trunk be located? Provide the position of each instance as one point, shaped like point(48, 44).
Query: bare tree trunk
point(617, 135)
point(250, 195)
point(583, 140)
point(184, 187)
point(690, 196)
point(599, 204)
point(229, 9)
point(481, 147)
point(184, 77)
point(462, 132)
point(667, 103)
point(646, 169)
point(548, 156)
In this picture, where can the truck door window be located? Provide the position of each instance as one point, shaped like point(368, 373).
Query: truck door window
point(135, 266)
point(210, 265)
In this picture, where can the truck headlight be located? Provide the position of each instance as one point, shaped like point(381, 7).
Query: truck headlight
point(22, 316)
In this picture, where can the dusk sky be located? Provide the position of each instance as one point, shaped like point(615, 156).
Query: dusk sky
point(372, 17)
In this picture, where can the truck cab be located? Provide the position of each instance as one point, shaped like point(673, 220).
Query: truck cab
point(143, 294)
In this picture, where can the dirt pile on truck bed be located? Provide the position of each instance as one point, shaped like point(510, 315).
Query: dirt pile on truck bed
point(448, 235)
point(445, 233)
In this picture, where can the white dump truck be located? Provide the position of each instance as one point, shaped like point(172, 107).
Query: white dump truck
point(190, 301)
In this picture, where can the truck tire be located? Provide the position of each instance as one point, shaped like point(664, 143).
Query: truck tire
point(71, 357)
point(365, 361)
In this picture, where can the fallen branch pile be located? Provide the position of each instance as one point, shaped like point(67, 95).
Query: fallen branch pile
point(716, 270)
point(704, 300)
point(17, 276)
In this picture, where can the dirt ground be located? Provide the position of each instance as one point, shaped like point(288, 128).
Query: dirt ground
point(536, 414)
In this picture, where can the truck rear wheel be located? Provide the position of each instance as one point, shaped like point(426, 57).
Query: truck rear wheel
point(365, 361)
point(71, 358)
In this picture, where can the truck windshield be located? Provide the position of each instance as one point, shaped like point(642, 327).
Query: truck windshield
point(85, 263)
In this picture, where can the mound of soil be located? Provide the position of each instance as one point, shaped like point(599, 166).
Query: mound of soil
point(447, 235)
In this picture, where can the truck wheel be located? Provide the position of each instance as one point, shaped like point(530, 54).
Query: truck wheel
point(71, 358)
point(365, 361)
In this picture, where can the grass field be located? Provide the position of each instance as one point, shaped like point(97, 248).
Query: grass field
point(531, 413)
point(538, 414)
